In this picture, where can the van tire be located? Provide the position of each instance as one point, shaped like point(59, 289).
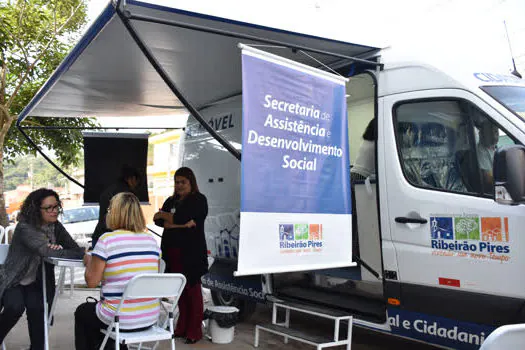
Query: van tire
point(246, 307)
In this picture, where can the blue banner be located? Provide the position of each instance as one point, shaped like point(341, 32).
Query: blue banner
point(295, 181)
point(295, 141)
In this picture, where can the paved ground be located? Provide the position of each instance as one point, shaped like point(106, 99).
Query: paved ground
point(62, 333)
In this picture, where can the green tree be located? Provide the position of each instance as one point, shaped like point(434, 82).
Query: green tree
point(35, 35)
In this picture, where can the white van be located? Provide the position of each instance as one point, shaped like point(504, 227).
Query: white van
point(439, 259)
point(446, 254)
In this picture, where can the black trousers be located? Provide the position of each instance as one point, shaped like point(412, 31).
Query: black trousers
point(15, 301)
point(87, 329)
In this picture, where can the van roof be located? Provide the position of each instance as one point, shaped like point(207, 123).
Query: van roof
point(106, 74)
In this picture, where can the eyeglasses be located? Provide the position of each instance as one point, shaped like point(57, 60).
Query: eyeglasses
point(52, 208)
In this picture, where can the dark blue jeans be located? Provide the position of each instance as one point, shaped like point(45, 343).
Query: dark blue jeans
point(15, 301)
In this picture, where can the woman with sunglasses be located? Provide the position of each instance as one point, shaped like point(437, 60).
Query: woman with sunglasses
point(38, 234)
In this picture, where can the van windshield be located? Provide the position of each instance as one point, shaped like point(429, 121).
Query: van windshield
point(512, 97)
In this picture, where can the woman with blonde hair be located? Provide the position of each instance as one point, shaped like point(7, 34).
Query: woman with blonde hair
point(118, 256)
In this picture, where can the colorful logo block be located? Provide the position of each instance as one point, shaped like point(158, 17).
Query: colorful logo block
point(301, 232)
point(286, 232)
point(467, 227)
point(316, 232)
point(495, 229)
point(441, 228)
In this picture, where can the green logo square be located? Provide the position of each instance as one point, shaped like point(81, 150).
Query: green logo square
point(466, 228)
point(301, 232)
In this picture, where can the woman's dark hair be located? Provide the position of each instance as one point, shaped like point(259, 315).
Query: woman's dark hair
point(30, 211)
point(370, 133)
point(188, 174)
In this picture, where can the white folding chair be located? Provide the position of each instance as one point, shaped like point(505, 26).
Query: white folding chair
point(505, 337)
point(147, 286)
point(162, 266)
point(3, 234)
point(4, 248)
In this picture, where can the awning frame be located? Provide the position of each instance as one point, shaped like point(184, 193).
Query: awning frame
point(126, 17)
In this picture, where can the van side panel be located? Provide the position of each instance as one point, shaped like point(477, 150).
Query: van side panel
point(218, 174)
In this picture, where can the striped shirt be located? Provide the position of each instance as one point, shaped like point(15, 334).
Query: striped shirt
point(127, 254)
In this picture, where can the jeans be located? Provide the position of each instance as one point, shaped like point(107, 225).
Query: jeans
point(15, 301)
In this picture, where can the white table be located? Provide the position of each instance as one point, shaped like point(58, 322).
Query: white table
point(62, 264)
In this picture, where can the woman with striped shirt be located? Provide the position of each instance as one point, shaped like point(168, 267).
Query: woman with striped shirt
point(118, 256)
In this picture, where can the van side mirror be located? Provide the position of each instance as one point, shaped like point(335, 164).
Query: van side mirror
point(509, 175)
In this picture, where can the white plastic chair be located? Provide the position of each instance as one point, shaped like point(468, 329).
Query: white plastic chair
point(4, 248)
point(162, 266)
point(3, 234)
point(505, 337)
point(148, 286)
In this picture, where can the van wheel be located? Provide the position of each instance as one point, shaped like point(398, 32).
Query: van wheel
point(246, 307)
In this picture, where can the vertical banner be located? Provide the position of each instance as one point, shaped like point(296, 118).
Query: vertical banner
point(296, 210)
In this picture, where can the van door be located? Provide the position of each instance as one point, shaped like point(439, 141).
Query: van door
point(458, 251)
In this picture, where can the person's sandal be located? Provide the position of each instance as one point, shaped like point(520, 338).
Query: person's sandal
point(191, 341)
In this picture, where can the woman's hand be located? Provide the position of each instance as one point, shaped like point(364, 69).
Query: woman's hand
point(55, 246)
point(190, 224)
point(158, 215)
point(161, 215)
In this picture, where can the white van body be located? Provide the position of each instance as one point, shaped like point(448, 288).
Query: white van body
point(450, 289)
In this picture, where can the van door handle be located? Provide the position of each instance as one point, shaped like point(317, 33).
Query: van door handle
point(404, 220)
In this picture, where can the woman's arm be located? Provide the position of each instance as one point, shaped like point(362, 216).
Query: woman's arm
point(158, 218)
point(94, 270)
point(168, 220)
point(189, 224)
point(36, 242)
point(64, 238)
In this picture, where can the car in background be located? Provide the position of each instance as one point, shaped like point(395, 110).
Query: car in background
point(80, 223)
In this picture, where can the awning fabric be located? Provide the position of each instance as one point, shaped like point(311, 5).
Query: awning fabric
point(106, 74)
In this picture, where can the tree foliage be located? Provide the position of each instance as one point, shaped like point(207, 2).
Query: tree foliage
point(35, 36)
point(32, 170)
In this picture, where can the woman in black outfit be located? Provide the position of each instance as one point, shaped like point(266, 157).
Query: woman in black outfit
point(184, 249)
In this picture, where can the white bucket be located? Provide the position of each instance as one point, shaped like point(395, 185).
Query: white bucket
point(221, 335)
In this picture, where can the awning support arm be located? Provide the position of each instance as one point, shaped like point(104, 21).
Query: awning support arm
point(59, 169)
point(125, 17)
point(35, 146)
point(247, 37)
point(52, 127)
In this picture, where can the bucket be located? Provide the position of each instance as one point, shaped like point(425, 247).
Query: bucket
point(222, 314)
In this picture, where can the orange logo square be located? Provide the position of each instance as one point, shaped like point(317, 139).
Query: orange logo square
point(495, 229)
point(316, 232)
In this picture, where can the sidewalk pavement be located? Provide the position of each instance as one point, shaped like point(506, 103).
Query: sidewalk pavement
point(61, 334)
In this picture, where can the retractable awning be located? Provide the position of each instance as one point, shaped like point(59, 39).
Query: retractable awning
point(107, 73)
